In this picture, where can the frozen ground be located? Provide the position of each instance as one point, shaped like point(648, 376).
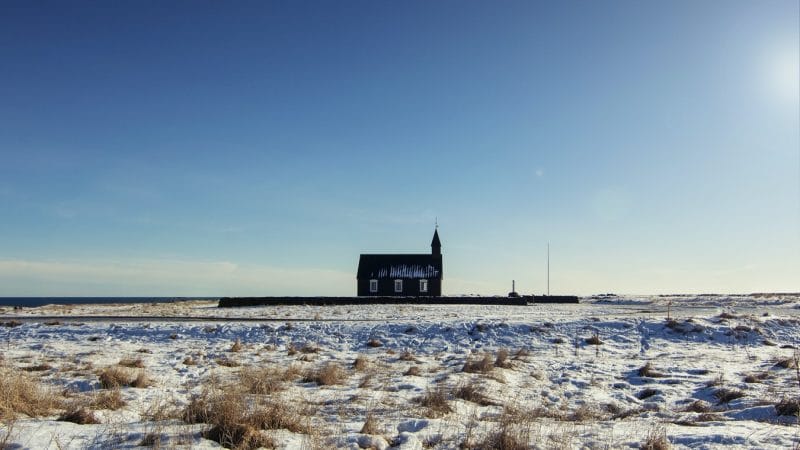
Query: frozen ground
point(556, 389)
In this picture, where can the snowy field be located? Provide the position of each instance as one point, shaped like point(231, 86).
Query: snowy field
point(615, 372)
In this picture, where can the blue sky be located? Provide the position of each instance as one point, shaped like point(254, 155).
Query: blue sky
point(256, 148)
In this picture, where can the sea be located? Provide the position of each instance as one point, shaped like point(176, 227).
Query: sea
point(41, 301)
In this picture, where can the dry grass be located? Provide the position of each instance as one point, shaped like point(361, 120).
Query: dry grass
point(236, 421)
point(374, 343)
point(79, 414)
point(262, 381)
point(227, 362)
point(512, 431)
point(361, 363)
point(110, 399)
point(38, 367)
point(472, 392)
point(22, 394)
point(501, 359)
point(594, 340)
point(656, 439)
point(483, 364)
point(371, 425)
point(327, 375)
point(435, 402)
point(788, 407)
point(412, 371)
point(131, 362)
point(117, 377)
point(698, 406)
point(407, 356)
point(649, 371)
point(237, 346)
point(725, 395)
point(786, 363)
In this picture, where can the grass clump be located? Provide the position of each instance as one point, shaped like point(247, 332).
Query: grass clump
point(501, 359)
point(656, 439)
point(131, 362)
point(472, 392)
point(22, 394)
point(329, 374)
point(361, 363)
point(371, 425)
point(237, 346)
point(483, 364)
point(594, 340)
point(435, 402)
point(649, 371)
point(788, 407)
point(79, 414)
point(262, 381)
point(374, 343)
point(725, 395)
point(117, 377)
point(237, 420)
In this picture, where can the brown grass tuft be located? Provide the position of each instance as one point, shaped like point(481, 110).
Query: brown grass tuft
point(479, 365)
point(594, 340)
point(329, 374)
point(472, 392)
point(371, 425)
point(435, 402)
point(407, 356)
point(117, 377)
point(374, 343)
point(237, 346)
point(111, 399)
point(22, 394)
point(262, 381)
point(78, 414)
point(788, 407)
point(361, 363)
point(501, 359)
point(38, 367)
point(131, 362)
point(656, 439)
point(649, 371)
point(725, 395)
point(412, 371)
point(698, 406)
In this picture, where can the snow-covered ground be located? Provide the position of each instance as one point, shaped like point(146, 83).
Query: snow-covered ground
point(556, 389)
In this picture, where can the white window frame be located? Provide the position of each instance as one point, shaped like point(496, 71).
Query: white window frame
point(373, 286)
point(423, 286)
point(398, 286)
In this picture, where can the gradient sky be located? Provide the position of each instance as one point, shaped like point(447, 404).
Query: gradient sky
point(256, 148)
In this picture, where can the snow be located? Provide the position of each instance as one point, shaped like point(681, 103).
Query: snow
point(576, 394)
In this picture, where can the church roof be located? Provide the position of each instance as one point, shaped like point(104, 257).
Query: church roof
point(400, 266)
point(436, 242)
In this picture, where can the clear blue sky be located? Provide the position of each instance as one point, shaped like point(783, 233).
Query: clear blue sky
point(256, 148)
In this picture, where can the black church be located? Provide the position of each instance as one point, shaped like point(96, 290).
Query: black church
point(403, 275)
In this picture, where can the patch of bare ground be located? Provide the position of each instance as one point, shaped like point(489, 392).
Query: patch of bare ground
point(22, 394)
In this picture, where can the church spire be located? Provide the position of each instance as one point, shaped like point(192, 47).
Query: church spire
point(436, 244)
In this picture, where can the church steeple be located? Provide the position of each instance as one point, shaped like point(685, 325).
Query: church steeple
point(436, 244)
